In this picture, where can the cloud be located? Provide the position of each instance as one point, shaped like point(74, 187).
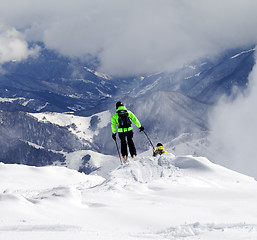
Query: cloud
point(135, 37)
point(13, 46)
point(234, 130)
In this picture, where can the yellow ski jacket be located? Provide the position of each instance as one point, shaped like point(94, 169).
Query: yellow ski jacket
point(159, 150)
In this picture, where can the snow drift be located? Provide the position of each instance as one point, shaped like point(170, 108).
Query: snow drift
point(166, 197)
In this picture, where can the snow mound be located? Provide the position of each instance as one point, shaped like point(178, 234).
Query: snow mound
point(27, 184)
point(192, 163)
point(22, 177)
point(177, 170)
point(164, 197)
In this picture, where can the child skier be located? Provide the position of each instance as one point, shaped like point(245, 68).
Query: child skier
point(159, 150)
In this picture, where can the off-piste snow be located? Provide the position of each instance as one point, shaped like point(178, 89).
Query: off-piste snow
point(164, 197)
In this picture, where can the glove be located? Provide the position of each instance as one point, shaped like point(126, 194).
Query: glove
point(114, 136)
point(142, 128)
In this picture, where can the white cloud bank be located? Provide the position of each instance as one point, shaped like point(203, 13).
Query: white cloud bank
point(234, 130)
point(131, 36)
point(13, 46)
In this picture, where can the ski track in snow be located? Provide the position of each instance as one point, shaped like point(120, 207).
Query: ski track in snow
point(167, 197)
point(195, 230)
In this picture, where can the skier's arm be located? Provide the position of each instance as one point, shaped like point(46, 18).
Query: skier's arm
point(134, 119)
point(113, 125)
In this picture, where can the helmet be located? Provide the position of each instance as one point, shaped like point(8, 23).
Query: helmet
point(118, 104)
point(159, 144)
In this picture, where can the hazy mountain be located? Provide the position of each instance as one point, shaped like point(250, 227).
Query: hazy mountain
point(24, 139)
point(205, 80)
point(167, 104)
point(54, 83)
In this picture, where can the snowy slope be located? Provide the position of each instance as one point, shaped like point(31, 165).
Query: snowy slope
point(92, 162)
point(167, 197)
point(82, 127)
point(195, 143)
point(164, 115)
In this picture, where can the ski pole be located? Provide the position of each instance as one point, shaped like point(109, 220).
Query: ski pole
point(118, 150)
point(149, 140)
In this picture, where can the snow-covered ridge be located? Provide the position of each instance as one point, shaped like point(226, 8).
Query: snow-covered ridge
point(80, 126)
point(21, 100)
point(247, 51)
point(167, 197)
point(188, 171)
point(98, 74)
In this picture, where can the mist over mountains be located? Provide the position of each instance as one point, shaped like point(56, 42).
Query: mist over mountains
point(167, 104)
point(186, 69)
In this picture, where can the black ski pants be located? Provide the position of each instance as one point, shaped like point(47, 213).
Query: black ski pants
point(127, 138)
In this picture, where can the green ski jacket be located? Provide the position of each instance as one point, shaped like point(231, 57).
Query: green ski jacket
point(115, 121)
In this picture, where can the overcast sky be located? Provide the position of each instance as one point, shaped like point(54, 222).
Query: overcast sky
point(128, 36)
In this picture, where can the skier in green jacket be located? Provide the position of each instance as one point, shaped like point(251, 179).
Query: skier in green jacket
point(122, 118)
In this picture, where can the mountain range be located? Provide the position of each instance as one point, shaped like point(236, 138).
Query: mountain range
point(52, 106)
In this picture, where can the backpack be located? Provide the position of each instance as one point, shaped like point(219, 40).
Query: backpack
point(124, 119)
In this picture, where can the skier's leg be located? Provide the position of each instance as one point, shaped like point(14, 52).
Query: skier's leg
point(132, 148)
point(124, 149)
